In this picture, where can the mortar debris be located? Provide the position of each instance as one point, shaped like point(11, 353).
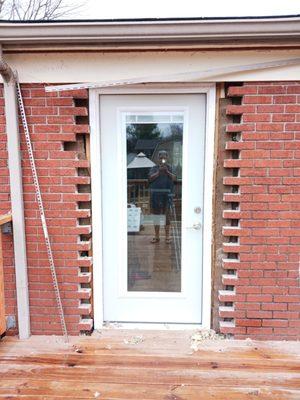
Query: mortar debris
point(202, 335)
point(254, 392)
point(111, 325)
point(78, 350)
point(97, 334)
point(134, 340)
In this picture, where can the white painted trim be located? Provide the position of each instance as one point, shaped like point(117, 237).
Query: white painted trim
point(210, 91)
point(184, 76)
point(207, 204)
point(17, 205)
point(95, 153)
point(151, 326)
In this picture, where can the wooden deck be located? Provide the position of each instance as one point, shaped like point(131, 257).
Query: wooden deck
point(116, 364)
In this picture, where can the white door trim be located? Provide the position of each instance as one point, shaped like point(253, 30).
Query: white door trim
point(95, 140)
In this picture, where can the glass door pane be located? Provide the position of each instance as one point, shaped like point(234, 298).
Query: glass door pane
point(154, 197)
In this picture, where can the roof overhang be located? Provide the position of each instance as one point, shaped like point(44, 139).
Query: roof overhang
point(204, 33)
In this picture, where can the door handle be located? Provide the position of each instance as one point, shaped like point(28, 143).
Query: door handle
point(196, 226)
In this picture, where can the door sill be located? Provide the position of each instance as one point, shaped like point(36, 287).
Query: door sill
point(151, 326)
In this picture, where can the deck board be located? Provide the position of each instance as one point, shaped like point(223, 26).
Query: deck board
point(149, 365)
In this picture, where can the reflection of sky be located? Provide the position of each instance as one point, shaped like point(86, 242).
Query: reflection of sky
point(166, 131)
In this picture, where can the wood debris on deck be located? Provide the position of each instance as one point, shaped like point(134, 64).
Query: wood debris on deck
point(148, 365)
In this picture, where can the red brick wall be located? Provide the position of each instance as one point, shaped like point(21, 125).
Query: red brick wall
point(54, 126)
point(261, 297)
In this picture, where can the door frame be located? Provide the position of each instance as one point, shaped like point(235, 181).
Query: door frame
point(95, 142)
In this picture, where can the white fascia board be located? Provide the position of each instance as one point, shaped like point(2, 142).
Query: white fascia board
point(193, 76)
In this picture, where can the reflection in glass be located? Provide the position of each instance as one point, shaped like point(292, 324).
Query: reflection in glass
point(154, 176)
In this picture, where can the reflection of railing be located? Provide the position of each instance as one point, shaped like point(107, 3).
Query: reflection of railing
point(138, 193)
point(4, 219)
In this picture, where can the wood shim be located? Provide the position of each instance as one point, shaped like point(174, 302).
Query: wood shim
point(192, 76)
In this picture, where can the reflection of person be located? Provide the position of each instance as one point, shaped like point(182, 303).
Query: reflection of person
point(161, 182)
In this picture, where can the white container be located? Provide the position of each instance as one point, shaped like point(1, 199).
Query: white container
point(133, 218)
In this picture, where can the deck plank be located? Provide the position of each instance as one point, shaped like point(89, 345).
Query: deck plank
point(138, 392)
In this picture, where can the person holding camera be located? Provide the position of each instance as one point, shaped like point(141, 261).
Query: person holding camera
point(161, 183)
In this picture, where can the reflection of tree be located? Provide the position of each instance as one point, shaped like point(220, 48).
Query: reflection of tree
point(136, 132)
point(176, 131)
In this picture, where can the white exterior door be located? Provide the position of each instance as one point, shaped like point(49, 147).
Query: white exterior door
point(152, 178)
